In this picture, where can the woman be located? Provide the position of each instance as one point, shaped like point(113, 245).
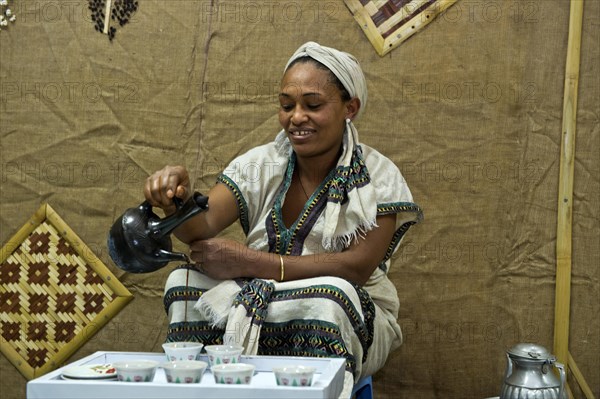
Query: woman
point(321, 221)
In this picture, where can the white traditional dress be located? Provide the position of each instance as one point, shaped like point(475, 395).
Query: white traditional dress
point(324, 316)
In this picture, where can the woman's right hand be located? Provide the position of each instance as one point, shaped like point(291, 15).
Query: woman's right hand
point(163, 185)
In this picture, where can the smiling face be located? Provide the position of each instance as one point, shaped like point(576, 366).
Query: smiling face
point(312, 111)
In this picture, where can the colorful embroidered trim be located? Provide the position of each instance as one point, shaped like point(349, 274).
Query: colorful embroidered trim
point(254, 297)
point(290, 241)
point(392, 208)
point(195, 331)
point(241, 202)
point(307, 338)
point(347, 178)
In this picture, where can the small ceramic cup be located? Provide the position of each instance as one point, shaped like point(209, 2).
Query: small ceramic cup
point(135, 370)
point(233, 373)
point(294, 376)
point(184, 371)
point(224, 354)
point(182, 350)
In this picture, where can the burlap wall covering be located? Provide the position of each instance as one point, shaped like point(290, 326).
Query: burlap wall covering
point(469, 108)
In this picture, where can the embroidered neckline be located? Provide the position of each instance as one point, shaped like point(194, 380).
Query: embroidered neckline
point(290, 240)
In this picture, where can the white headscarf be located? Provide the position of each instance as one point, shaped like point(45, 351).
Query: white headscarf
point(356, 213)
point(343, 65)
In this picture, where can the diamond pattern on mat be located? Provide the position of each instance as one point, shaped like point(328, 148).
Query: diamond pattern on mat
point(65, 331)
point(48, 295)
point(10, 273)
point(41, 243)
point(11, 331)
point(9, 302)
point(67, 274)
point(37, 331)
point(65, 303)
point(38, 273)
point(38, 304)
point(37, 357)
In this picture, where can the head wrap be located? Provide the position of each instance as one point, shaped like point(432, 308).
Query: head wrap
point(343, 65)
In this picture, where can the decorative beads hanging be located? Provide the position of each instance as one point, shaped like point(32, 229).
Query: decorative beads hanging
point(6, 14)
point(120, 12)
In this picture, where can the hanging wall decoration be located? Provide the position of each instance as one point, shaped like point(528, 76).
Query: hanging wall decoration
point(106, 14)
point(388, 23)
point(54, 294)
point(6, 14)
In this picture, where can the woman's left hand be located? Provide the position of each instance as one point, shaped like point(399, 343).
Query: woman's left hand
point(221, 258)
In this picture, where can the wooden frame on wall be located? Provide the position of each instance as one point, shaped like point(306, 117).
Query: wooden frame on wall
point(55, 294)
point(388, 23)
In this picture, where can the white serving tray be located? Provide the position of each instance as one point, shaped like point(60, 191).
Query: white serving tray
point(327, 382)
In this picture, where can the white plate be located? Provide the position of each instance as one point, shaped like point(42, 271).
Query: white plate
point(90, 371)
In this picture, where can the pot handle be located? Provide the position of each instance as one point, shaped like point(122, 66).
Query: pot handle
point(184, 210)
point(563, 379)
point(509, 367)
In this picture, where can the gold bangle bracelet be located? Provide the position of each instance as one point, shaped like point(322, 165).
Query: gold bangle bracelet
point(282, 268)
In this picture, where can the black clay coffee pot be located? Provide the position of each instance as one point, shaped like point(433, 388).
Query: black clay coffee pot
point(139, 241)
